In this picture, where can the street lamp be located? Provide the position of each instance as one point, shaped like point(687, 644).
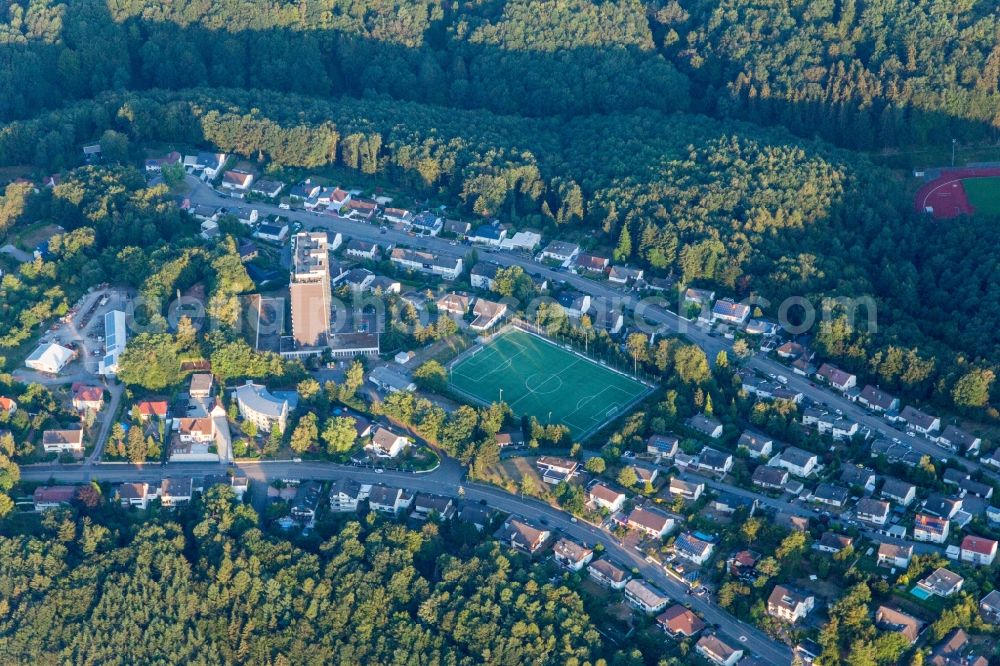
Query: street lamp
point(953, 141)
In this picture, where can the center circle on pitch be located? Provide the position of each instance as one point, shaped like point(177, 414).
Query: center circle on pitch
point(542, 383)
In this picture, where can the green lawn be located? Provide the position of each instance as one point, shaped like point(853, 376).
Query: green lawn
point(538, 378)
point(984, 194)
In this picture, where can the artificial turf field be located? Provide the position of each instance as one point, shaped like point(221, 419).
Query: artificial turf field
point(983, 194)
point(538, 377)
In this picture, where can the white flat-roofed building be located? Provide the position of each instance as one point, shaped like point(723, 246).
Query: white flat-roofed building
point(49, 358)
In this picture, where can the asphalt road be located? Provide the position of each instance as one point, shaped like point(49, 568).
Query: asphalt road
point(447, 480)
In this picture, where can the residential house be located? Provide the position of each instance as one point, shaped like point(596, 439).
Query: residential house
point(930, 528)
point(978, 550)
point(730, 312)
point(941, 583)
point(361, 209)
point(52, 497)
point(956, 650)
point(397, 216)
point(345, 494)
point(894, 555)
point(87, 398)
point(856, 475)
point(237, 180)
point(792, 522)
point(771, 478)
point(361, 249)
point(560, 251)
point(830, 494)
point(728, 503)
point(174, 492)
point(454, 304)
point(878, 400)
point(387, 379)
point(679, 622)
point(358, 279)
point(872, 511)
point(7, 405)
point(307, 189)
point(62, 441)
point(761, 327)
point(206, 163)
point(942, 506)
point(510, 439)
point(608, 574)
point(837, 378)
point(797, 461)
point(956, 439)
point(989, 606)
point(307, 496)
point(427, 224)
point(483, 275)
point(790, 350)
point(831, 542)
point(712, 460)
point(743, 563)
point(275, 232)
point(592, 263)
point(693, 549)
point(662, 446)
point(789, 604)
point(645, 475)
point(706, 425)
point(608, 319)
point(688, 490)
point(156, 164)
point(645, 596)
point(386, 499)
point(267, 188)
point(456, 228)
point(448, 268)
point(522, 535)
point(650, 521)
point(898, 491)
point(138, 495)
point(477, 515)
point(606, 498)
point(201, 385)
point(757, 445)
point(489, 234)
point(425, 506)
point(260, 407)
point(919, 421)
point(699, 296)
point(571, 555)
point(487, 314)
point(387, 444)
point(555, 470)
point(717, 651)
point(895, 620)
point(624, 274)
point(573, 303)
point(338, 199)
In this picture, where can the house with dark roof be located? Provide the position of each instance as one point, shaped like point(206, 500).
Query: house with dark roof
point(827, 493)
point(894, 555)
point(664, 446)
point(956, 439)
point(771, 478)
point(522, 535)
point(856, 475)
point(956, 650)
point(878, 400)
point(712, 460)
point(797, 461)
point(592, 263)
point(608, 574)
point(920, 421)
point(757, 445)
point(895, 620)
point(706, 425)
point(872, 511)
point(831, 542)
point(898, 491)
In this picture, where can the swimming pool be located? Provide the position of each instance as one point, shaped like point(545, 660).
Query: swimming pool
point(920, 593)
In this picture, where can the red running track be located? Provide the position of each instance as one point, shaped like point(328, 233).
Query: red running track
point(946, 194)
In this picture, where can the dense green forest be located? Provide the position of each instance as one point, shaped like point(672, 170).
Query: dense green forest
point(208, 586)
point(858, 72)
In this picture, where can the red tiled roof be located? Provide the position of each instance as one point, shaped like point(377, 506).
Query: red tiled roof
point(979, 545)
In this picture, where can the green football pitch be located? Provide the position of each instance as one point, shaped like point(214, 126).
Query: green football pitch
point(983, 194)
point(538, 378)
